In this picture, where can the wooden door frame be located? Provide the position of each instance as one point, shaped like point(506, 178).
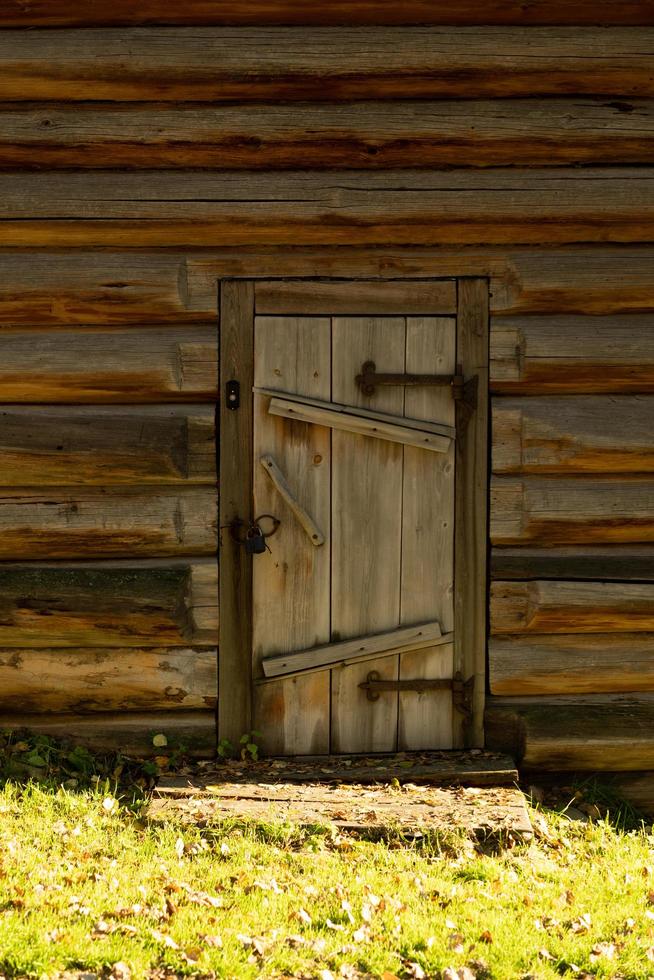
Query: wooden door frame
point(236, 303)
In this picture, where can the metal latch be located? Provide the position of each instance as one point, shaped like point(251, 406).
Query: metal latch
point(464, 392)
point(462, 691)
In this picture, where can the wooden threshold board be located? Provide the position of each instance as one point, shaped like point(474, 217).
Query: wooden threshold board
point(471, 768)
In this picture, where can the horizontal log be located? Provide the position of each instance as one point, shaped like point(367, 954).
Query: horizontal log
point(553, 206)
point(112, 604)
point(91, 446)
point(610, 563)
point(59, 289)
point(93, 365)
point(573, 354)
point(636, 788)
point(557, 512)
point(130, 733)
point(257, 64)
point(576, 663)
point(571, 607)
point(90, 680)
point(593, 732)
point(590, 434)
point(363, 135)
point(97, 13)
point(78, 523)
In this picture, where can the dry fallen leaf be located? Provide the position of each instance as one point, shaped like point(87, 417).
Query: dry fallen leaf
point(163, 937)
point(582, 924)
point(120, 971)
point(599, 950)
point(486, 937)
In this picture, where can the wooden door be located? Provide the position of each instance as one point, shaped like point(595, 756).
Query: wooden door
point(359, 441)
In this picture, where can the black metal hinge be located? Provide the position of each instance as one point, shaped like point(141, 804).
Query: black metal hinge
point(464, 392)
point(462, 691)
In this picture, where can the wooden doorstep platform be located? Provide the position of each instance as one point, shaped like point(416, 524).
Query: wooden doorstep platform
point(415, 795)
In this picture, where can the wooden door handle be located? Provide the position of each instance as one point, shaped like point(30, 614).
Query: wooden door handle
point(315, 535)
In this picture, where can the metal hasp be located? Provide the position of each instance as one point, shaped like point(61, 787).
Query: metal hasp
point(464, 392)
point(461, 690)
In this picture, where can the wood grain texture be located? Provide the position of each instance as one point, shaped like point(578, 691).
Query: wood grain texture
point(612, 563)
point(591, 510)
point(80, 523)
point(251, 64)
point(572, 354)
point(364, 135)
point(93, 446)
point(571, 607)
point(109, 604)
point(291, 583)
point(355, 296)
point(471, 508)
point(236, 305)
point(361, 648)
point(375, 425)
point(590, 434)
point(96, 365)
point(89, 680)
point(462, 207)
point(96, 13)
point(593, 732)
point(130, 733)
point(576, 663)
point(367, 537)
point(427, 719)
point(132, 287)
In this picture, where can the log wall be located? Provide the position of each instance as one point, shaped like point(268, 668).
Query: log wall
point(146, 151)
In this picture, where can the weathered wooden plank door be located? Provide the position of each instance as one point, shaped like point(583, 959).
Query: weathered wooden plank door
point(359, 440)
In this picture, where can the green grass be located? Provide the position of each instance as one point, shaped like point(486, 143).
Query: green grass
point(86, 882)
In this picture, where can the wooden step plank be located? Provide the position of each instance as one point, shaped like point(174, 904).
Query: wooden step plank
point(553, 512)
point(94, 446)
point(378, 427)
point(576, 663)
point(131, 288)
point(214, 64)
point(67, 13)
point(498, 813)
point(448, 768)
point(359, 649)
point(571, 607)
point(129, 733)
point(145, 365)
point(574, 354)
point(558, 434)
point(366, 135)
point(104, 604)
point(90, 680)
point(599, 732)
point(94, 523)
point(610, 563)
point(463, 207)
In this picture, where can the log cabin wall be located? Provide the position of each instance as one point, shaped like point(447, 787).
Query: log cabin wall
point(149, 149)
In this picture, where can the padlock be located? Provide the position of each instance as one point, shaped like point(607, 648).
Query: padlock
point(255, 543)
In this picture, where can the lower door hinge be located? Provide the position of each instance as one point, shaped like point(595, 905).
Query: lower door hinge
point(462, 691)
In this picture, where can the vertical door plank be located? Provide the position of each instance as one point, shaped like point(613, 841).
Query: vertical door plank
point(471, 509)
point(427, 576)
point(235, 580)
point(366, 532)
point(291, 583)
